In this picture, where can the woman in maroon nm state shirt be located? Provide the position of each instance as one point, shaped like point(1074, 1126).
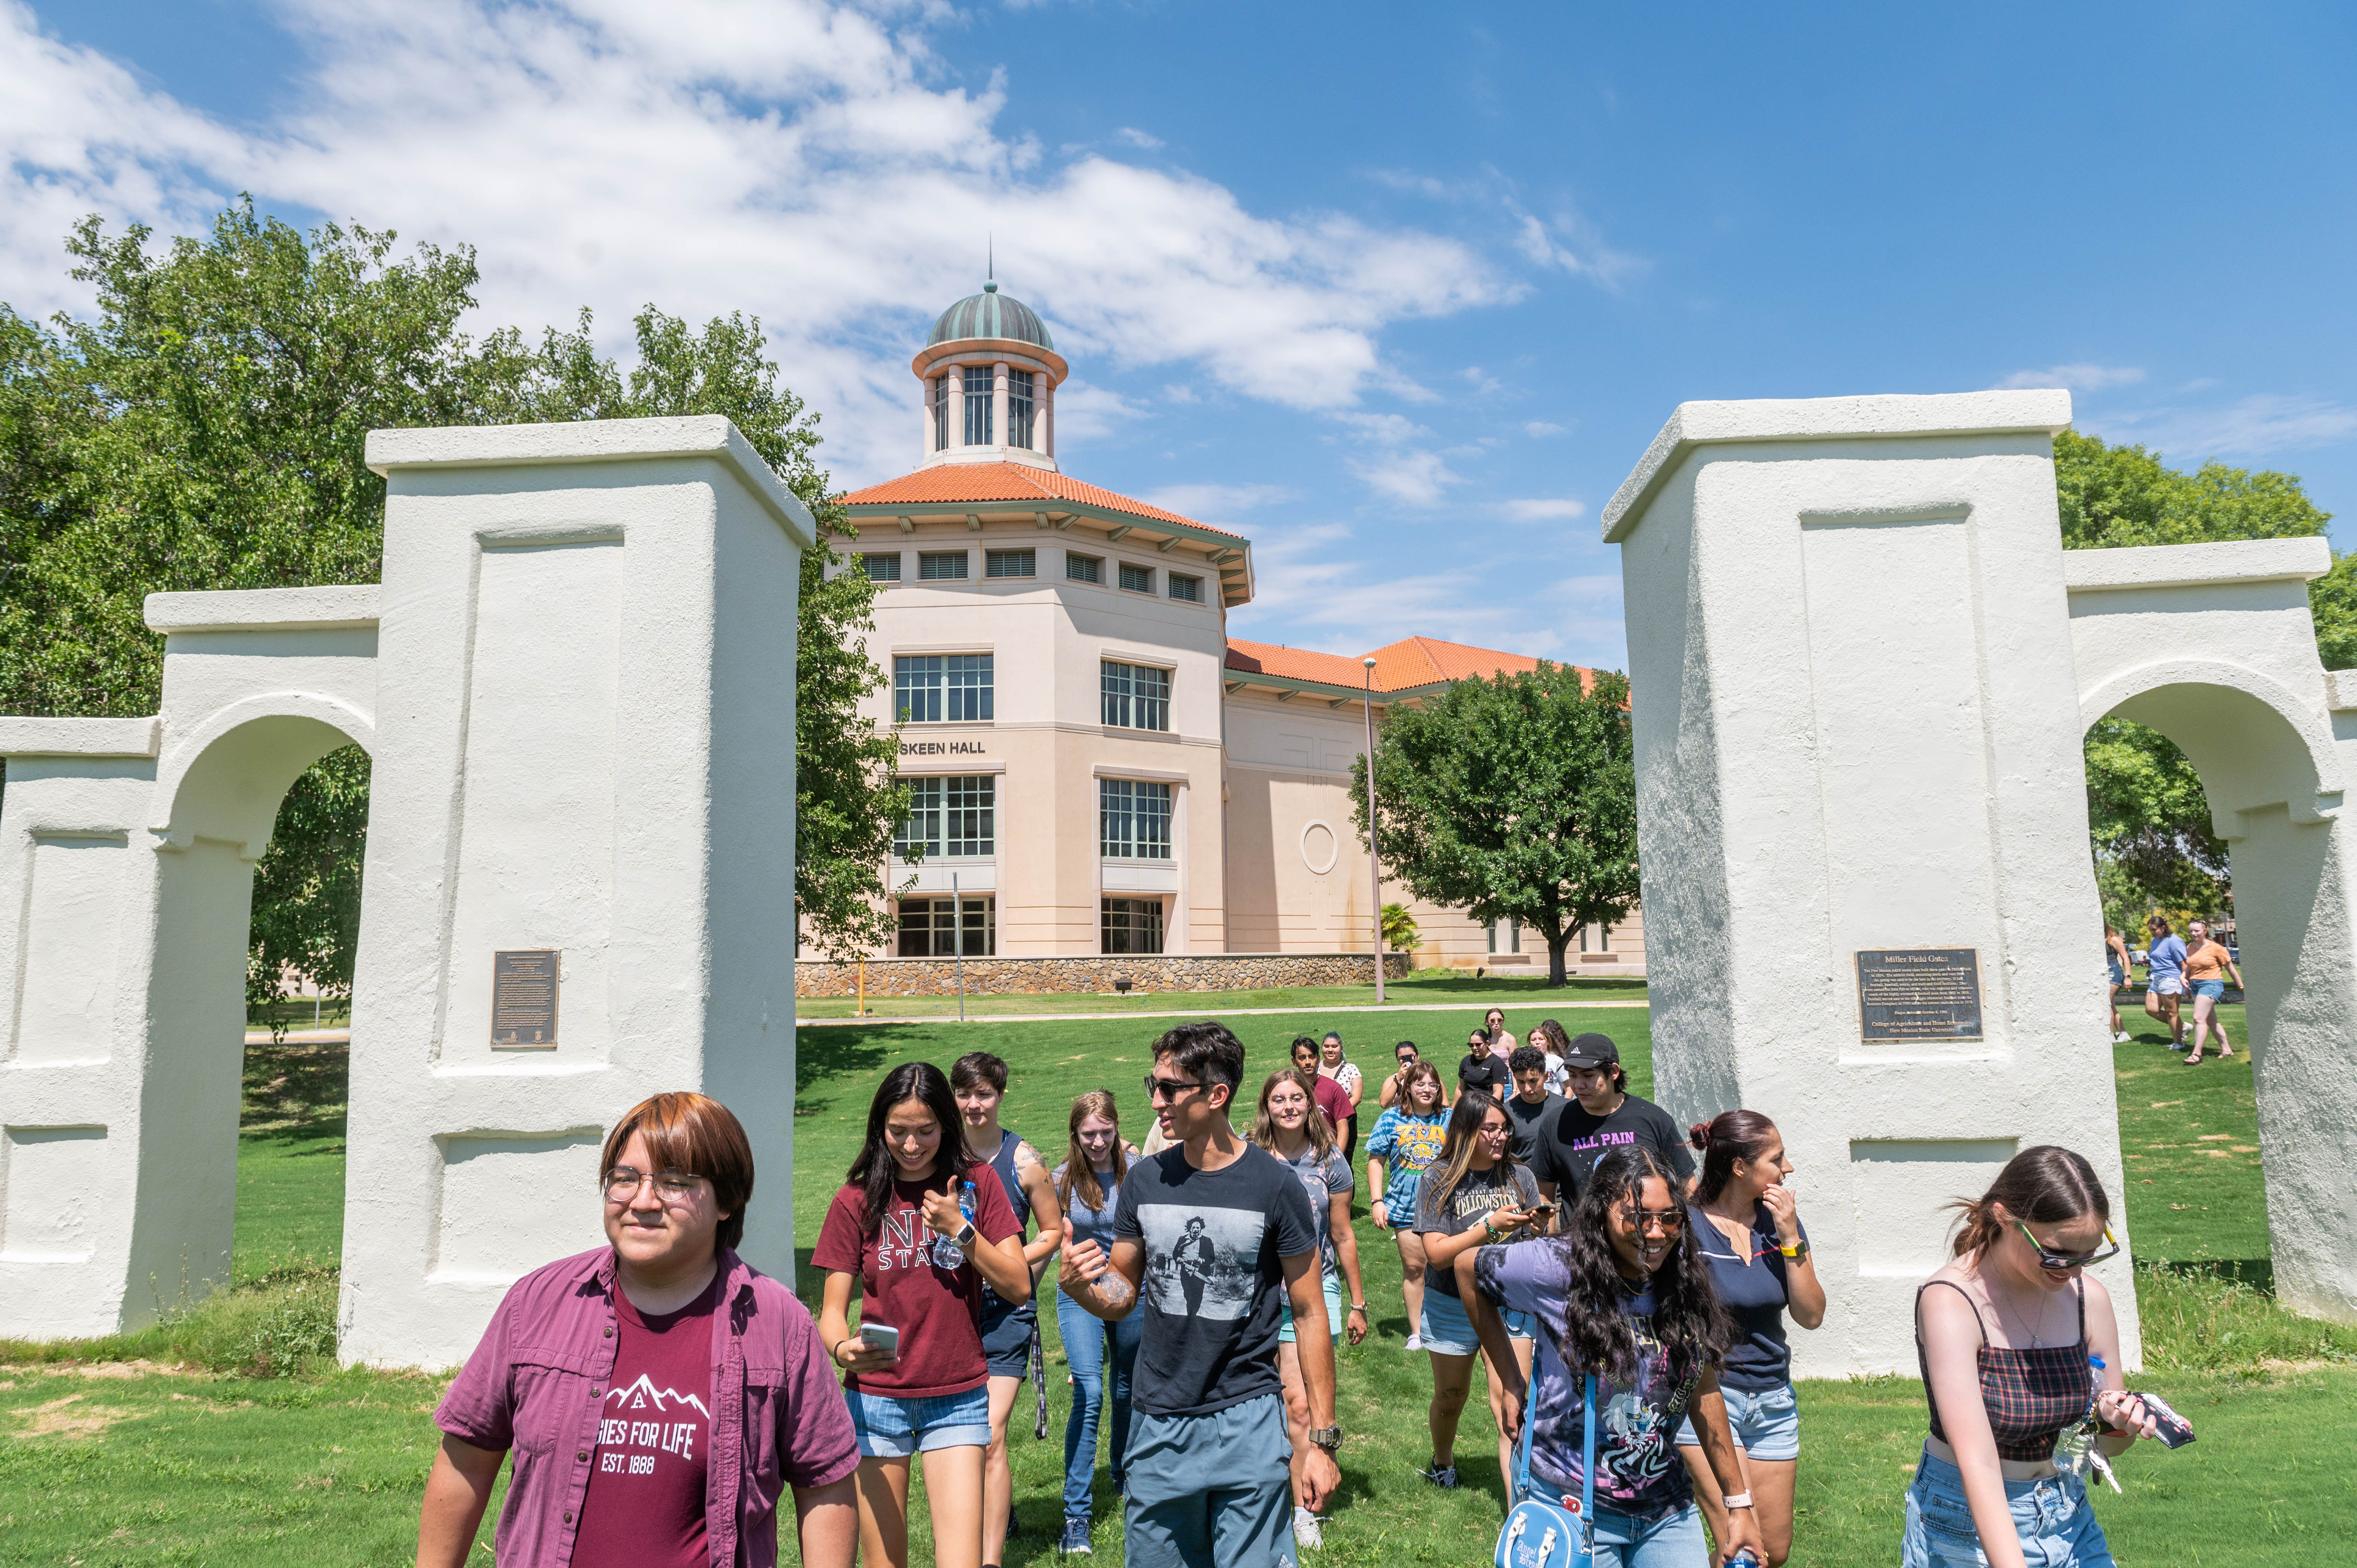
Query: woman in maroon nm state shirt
point(660, 1394)
point(921, 1224)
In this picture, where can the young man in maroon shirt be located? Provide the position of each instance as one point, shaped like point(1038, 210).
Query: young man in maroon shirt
point(667, 1391)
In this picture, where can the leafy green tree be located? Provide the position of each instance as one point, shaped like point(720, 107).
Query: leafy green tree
point(1513, 797)
point(1400, 934)
point(204, 429)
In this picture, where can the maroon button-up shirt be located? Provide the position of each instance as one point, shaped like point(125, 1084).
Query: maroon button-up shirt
point(537, 1382)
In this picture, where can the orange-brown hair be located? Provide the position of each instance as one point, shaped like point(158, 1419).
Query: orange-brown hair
point(696, 1134)
point(2046, 1183)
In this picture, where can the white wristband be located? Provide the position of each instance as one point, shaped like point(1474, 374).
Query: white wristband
point(1740, 1500)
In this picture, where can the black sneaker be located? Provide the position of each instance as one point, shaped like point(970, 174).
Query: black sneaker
point(1014, 1523)
point(1076, 1537)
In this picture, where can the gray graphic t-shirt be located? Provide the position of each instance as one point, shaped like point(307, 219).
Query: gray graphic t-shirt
point(1213, 1288)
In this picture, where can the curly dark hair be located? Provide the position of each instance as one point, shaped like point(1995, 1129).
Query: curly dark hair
point(1692, 1328)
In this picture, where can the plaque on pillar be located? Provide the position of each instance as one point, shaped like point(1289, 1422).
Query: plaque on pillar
point(1919, 993)
point(524, 998)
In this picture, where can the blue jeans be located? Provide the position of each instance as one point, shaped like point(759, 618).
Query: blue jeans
point(2056, 1527)
point(1673, 1540)
point(1212, 1492)
point(1085, 1336)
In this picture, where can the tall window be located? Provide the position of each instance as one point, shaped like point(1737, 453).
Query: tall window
point(942, 688)
point(1137, 579)
point(941, 412)
point(1137, 696)
point(941, 565)
point(1133, 819)
point(1131, 925)
point(1010, 564)
point(978, 406)
point(1084, 568)
point(1019, 408)
point(927, 925)
point(1188, 588)
point(955, 817)
point(882, 568)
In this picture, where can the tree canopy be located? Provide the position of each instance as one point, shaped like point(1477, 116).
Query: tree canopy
point(204, 428)
point(1511, 797)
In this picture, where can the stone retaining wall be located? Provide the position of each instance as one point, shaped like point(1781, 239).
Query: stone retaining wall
point(1093, 974)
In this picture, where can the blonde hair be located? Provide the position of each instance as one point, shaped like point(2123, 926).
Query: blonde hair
point(1315, 1126)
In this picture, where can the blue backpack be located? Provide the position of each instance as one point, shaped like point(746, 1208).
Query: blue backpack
point(1547, 1535)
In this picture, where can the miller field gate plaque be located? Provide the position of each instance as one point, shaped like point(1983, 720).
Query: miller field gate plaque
point(1919, 993)
point(524, 997)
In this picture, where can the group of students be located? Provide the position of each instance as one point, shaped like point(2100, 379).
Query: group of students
point(663, 1399)
point(2195, 966)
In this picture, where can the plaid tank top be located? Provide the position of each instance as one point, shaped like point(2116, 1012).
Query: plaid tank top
point(2030, 1395)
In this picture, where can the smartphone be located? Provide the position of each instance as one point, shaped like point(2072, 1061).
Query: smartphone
point(882, 1335)
point(2173, 1430)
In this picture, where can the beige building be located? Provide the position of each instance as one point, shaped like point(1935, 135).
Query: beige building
point(1099, 767)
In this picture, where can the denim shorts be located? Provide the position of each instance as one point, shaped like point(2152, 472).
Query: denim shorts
point(1006, 1337)
point(1671, 1540)
point(2165, 986)
point(1765, 1424)
point(1333, 1312)
point(2213, 989)
point(2057, 1527)
point(891, 1427)
point(1447, 1330)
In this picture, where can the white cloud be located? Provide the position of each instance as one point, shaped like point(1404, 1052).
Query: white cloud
point(2257, 424)
point(1580, 251)
point(1416, 477)
point(1542, 510)
point(1085, 411)
point(2078, 377)
point(1137, 138)
point(805, 161)
point(1540, 427)
point(1211, 503)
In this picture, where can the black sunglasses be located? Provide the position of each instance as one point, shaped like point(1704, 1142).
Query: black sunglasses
point(1166, 1087)
point(2056, 1261)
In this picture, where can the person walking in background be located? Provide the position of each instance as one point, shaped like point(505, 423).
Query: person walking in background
point(1338, 1069)
point(1329, 1097)
point(1483, 1070)
point(1209, 1460)
point(1407, 1138)
point(2008, 1334)
point(1548, 1036)
point(1602, 1116)
point(1627, 1297)
point(1475, 1193)
point(1501, 1041)
point(1100, 1354)
point(1745, 1220)
point(2207, 965)
point(917, 1377)
point(2115, 965)
point(2165, 980)
point(1530, 1109)
point(1290, 1128)
point(666, 1313)
point(1010, 1328)
point(1404, 1055)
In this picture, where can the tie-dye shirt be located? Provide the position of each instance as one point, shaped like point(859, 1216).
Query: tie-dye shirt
point(1637, 1471)
point(1406, 1144)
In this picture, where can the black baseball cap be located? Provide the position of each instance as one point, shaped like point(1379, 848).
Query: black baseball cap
point(1591, 1051)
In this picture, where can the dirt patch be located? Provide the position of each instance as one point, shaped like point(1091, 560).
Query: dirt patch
point(58, 1418)
point(110, 1370)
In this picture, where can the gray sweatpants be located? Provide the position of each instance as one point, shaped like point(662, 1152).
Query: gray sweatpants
point(1210, 1491)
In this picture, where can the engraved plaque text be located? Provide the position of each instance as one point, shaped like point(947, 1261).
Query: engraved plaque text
point(1920, 993)
point(524, 997)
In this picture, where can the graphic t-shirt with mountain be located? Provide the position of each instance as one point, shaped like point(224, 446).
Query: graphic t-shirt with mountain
point(645, 1504)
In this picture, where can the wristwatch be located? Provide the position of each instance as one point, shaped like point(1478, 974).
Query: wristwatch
point(966, 1236)
point(1329, 1438)
point(1797, 1251)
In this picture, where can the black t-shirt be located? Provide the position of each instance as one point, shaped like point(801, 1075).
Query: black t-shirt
point(1530, 1121)
point(1477, 1193)
point(1487, 1073)
point(1576, 1139)
point(1213, 1293)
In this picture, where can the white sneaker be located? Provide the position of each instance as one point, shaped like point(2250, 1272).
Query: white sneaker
point(2120, 1039)
point(1415, 1341)
point(1308, 1530)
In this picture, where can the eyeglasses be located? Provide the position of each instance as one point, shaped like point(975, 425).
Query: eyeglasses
point(1668, 1221)
point(1166, 1088)
point(622, 1185)
point(2056, 1263)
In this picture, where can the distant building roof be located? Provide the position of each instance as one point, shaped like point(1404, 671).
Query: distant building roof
point(990, 314)
point(981, 484)
point(1404, 666)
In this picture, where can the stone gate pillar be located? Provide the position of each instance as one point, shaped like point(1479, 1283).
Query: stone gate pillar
point(581, 848)
point(1859, 776)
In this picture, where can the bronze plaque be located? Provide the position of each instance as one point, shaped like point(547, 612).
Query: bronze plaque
point(1920, 993)
point(524, 997)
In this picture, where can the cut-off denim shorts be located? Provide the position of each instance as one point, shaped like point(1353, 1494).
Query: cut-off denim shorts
point(1448, 1329)
point(1765, 1424)
point(2213, 989)
point(891, 1427)
point(2056, 1527)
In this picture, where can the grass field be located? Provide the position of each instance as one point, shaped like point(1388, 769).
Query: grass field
point(1428, 988)
point(211, 1464)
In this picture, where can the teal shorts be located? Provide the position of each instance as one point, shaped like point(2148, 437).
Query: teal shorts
point(1333, 1312)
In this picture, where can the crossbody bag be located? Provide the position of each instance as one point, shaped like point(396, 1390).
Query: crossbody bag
point(1545, 1535)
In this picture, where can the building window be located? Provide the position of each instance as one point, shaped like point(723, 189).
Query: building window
point(942, 688)
point(1010, 564)
point(1084, 568)
point(941, 565)
point(1019, 408)
point(977, 405)
point(940, 413)
point(1137, 696)
point(1511, 931)
point(882, 568)
point(1137, 579)
point(1598, 933)
point(1133, 819)
point(1132, 925)
point(927, 924)
point(955, 817)
point(1188, 588)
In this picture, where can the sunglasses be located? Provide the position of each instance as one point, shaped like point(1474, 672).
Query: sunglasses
point(2057, 1261)
point(1166, 1088)
point(1669, 1222)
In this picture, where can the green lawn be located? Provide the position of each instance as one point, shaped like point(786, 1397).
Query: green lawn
point(1424, 989)
point(324, 1467)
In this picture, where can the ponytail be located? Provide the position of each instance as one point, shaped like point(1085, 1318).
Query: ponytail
point(2046, 1183)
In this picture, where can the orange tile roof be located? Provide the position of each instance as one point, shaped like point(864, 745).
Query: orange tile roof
point(1401, 666)
point(973, 484)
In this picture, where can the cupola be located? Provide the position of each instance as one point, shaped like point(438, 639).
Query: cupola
point(989, 372)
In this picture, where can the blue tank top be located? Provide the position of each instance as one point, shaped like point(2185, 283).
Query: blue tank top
point(1080, 1221)
point(994, 1308)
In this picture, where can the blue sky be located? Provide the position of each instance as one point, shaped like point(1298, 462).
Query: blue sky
point(1402, 294)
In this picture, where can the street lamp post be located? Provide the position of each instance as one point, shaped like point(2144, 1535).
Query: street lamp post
point(1374, 867)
